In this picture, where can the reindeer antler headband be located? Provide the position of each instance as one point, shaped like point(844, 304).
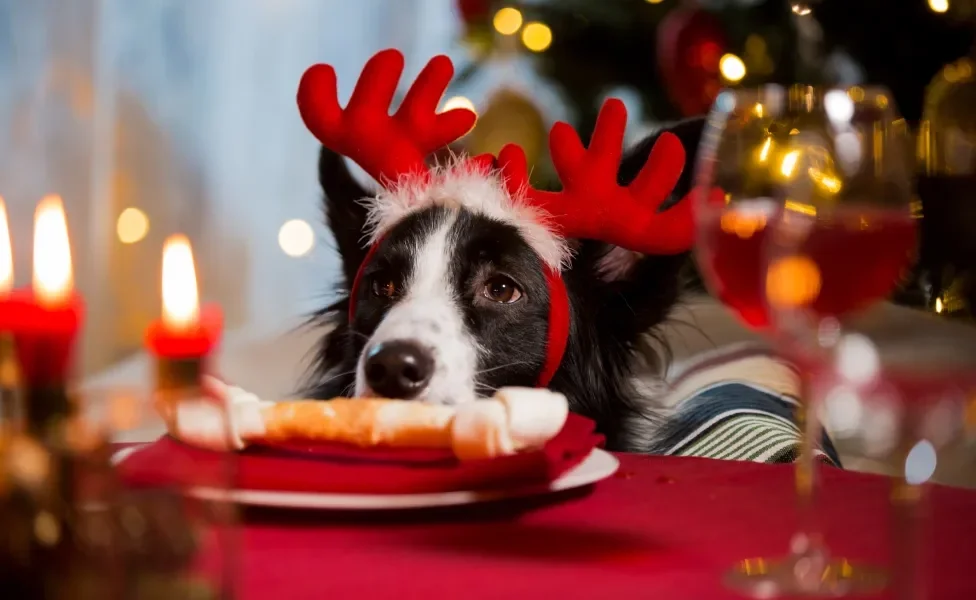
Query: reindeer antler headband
point(591, 205)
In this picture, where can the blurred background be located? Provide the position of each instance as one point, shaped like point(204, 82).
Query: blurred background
point(163, 116)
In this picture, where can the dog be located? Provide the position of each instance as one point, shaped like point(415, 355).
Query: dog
point(457, 306)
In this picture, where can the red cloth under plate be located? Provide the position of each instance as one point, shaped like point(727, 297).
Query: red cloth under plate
point(337, 468)
point(662, 527)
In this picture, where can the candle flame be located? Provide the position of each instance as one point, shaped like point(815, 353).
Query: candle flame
point(53, 280)
point(6, 252)
point(181, 303)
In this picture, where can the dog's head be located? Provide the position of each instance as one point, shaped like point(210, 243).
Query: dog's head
point(453, 283)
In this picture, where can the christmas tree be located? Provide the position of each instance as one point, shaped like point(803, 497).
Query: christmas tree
point(677, 54)
point(672, 57)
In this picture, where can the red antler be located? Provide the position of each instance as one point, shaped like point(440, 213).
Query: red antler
point(592, 205)
point(385, 147)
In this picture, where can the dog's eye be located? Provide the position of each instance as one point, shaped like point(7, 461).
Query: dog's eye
point(384, 288)
point(501, 289)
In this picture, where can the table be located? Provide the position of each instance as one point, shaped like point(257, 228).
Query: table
point(663, 527)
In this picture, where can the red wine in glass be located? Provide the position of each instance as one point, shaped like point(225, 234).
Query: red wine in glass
point(804, 217)
point(847, 261)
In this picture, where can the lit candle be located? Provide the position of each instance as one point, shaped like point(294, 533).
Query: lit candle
point(49, 315)
point(6, 255)
point(53, 282)
point(183, 338)
point(46, 319)
point(8, 302)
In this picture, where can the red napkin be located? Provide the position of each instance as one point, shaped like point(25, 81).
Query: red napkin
point(337, 468)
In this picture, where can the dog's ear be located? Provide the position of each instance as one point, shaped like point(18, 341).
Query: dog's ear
point(689, 132)
point(617, 263)
point(344, 211)
point(641, 289)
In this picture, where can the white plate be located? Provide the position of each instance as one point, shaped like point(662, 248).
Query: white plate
point(597, 466)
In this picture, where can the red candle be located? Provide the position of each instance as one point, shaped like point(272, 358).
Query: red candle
point(45, 319)
point(185, 331)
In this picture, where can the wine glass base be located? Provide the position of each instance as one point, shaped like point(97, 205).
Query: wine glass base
point(801, 577)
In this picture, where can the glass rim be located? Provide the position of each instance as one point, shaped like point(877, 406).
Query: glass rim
point(732, 99)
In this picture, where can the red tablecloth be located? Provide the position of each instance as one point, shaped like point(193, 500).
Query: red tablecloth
point(661, 528)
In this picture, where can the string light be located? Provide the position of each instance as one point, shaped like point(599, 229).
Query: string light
point(801, 8)
point(507, 21)
point(296, 238)
point(537, 36)
point(789, 163)
point(132, 226)
point(764, 149)
point(939, 6)
point(732, 68)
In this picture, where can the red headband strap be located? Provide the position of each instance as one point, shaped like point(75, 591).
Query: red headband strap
point(354, 289)
point(558, 335)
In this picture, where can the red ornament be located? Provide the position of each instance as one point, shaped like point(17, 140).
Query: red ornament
point(474, 11)
point(690, 43)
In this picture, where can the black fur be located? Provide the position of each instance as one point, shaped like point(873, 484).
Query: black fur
point(515, 335)
point(608, 318)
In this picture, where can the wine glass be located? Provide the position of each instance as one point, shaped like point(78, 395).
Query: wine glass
point(803, 210)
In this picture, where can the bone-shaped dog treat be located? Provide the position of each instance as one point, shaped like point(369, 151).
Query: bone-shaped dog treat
point(515, 419)
point(363, 422)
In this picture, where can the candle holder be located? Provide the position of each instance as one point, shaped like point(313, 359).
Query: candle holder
point(74, 524)
point(176, 532)
point(181, 374)
point(47, 485)
point(11, 384)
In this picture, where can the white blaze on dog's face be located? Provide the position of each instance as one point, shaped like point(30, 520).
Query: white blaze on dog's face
point(451, 306)
point(432, 351)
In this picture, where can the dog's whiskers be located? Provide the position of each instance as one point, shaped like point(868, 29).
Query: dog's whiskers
point(337, 376)
point(500, 367)
point(358, 333)
point(482, 388)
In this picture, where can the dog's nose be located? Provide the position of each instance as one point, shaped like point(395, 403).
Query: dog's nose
point(398, 369)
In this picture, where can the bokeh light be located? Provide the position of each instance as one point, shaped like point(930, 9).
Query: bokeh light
point(732, 68)
point(296, 238)
point(920, 463)
point(458, 102)
point(507, 21)
point(132, 226)
point(537, 36)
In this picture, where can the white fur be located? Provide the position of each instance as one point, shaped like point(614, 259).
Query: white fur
point(429, 315)
point(478, 189)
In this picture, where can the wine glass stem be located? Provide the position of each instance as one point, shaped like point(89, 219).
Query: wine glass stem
point(907, 568)
point(808, 539)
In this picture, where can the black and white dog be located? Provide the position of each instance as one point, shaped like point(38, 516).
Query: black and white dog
point(454, 305)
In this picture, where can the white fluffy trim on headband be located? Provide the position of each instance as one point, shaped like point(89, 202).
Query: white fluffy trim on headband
point(476, 188)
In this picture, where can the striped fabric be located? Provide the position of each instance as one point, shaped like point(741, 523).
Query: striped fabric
point(737, 421)
point(736, 404)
